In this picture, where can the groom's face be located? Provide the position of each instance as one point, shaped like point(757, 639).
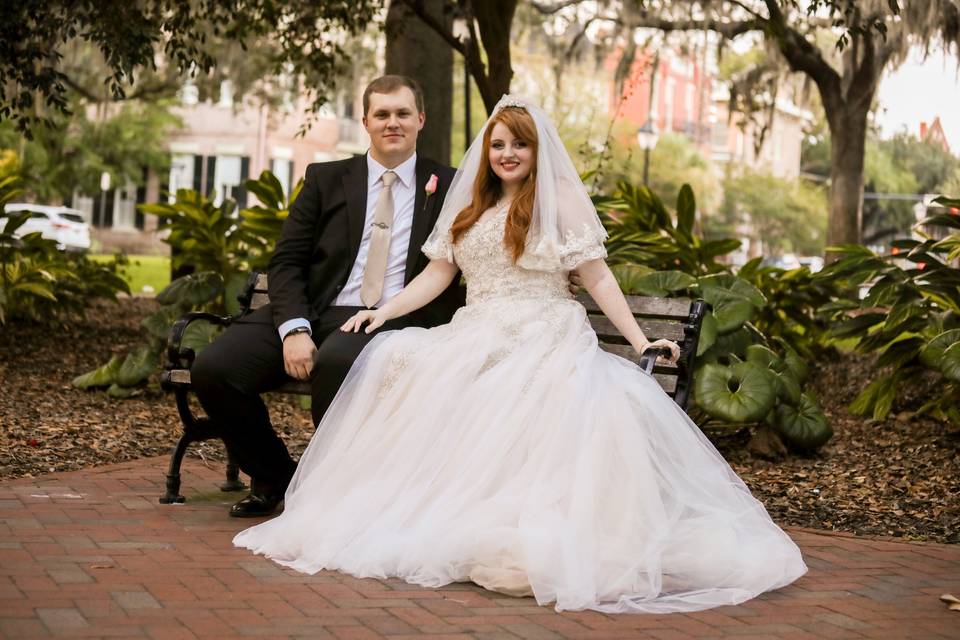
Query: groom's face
point(393, 123)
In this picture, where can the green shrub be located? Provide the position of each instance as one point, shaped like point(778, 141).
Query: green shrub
point(750, 370)
point(40, 283)
point(909, 315)
point(222, 247)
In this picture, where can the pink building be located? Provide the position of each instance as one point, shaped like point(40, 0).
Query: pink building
point(679, 101)
point(689, 99)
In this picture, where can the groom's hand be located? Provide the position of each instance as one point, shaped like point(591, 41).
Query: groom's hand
point(298, 352)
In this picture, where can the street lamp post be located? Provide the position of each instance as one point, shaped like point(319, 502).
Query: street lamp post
point(104, 187)
point(647, 137)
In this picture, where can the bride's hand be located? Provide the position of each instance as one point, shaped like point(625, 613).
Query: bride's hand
point(376, 318)
point(664, 344)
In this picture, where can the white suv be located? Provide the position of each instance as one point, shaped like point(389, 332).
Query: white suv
point(65, 225)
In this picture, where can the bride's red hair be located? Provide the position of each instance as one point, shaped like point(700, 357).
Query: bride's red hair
point(487, 188)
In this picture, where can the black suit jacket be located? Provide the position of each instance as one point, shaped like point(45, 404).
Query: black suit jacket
point(321, 238)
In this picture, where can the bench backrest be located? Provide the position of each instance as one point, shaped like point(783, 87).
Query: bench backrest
point(676, 319)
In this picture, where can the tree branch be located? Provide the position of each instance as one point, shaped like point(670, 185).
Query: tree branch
point(728, 30)
point(417, 7)
point(67, 80)
point(550, 9)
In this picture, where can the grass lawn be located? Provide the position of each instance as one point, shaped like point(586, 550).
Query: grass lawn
point(149, 271)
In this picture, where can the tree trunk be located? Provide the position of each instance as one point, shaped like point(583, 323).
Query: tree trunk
point(494, 20)
point(417, 51)
point(848, 133)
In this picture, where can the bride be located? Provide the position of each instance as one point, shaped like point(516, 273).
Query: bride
point(506, 448)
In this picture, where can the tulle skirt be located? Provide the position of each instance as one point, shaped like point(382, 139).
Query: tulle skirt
point(506, 448)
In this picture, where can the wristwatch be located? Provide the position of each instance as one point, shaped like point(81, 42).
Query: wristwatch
point(295, 331)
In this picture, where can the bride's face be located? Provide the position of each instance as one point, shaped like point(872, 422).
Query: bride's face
point(510, 157)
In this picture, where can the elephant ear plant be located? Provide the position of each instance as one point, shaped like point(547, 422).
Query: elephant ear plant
point(222, 248)
point(909, 314)
point(748, 373)
point(123, 376)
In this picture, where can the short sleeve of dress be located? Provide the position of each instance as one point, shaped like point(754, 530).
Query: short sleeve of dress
point(439, 247)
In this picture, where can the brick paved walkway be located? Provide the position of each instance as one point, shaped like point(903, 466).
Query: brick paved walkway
point(92, 554)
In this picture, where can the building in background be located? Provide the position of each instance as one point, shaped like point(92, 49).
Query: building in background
point(934, 134)
point(221, 145)
point(688, 98)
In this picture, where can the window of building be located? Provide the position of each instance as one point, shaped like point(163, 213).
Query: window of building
point(283, 170)
point(226, 178)
point(181, 173)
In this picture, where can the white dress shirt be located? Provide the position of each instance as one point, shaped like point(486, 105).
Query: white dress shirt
point(404, 194)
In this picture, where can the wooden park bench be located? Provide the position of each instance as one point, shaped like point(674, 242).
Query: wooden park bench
point(677, 319)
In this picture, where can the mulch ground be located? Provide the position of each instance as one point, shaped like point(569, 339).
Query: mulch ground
point(891, 478)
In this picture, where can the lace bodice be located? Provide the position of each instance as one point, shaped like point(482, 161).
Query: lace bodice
point(490, 272)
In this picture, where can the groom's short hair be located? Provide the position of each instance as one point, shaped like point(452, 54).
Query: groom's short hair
point(389, 84)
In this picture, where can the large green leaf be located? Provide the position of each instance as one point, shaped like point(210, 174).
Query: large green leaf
point(803, 427)
point(15, 220)
point(715, 248)
point(137, 366)
point(734, 300)
point(686, 211)
point(950, 362)
point(733, 314)
point(662, 283)
point(796, 365)
point(38, 289)
point(102, 376)
point(742, 392)
point(877, 398)
point(730, 347)
point(901, 350)
point(232, 288)
point(932, 354)
point(198, 335)
point(788, 387)
point(763, 356)
point(192, 290)
point(158, 324)
point(708, 333)
point(627, 276)
point(117, 391)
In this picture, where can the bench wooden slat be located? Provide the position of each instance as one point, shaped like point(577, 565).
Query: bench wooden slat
point(641, 306)
point(653, 329)
point(258, 300)
point(660, 318)
point(645, 307)
point(180, 376)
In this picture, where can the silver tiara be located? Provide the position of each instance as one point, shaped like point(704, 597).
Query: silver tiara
point(511, 101)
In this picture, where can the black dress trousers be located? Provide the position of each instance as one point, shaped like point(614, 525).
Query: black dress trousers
point(245, 361)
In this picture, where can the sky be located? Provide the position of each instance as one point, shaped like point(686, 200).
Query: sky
point(919, 90)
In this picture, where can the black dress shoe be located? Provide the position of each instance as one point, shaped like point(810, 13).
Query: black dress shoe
point(256, 505)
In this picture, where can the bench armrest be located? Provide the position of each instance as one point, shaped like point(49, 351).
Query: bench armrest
point(179, 357)
point(649, 358)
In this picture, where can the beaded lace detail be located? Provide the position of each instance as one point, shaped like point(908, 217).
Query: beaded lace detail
point(490, 272)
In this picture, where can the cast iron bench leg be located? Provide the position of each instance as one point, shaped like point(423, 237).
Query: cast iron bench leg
point(172, 496)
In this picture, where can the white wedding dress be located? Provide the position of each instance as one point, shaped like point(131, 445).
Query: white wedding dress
point(508, 449)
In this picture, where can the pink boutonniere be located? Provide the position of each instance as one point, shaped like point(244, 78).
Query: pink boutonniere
point(431, 186)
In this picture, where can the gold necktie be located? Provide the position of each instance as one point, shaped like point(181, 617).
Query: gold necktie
point(371, 289)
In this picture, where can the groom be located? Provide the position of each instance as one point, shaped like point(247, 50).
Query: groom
point(352, 240)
